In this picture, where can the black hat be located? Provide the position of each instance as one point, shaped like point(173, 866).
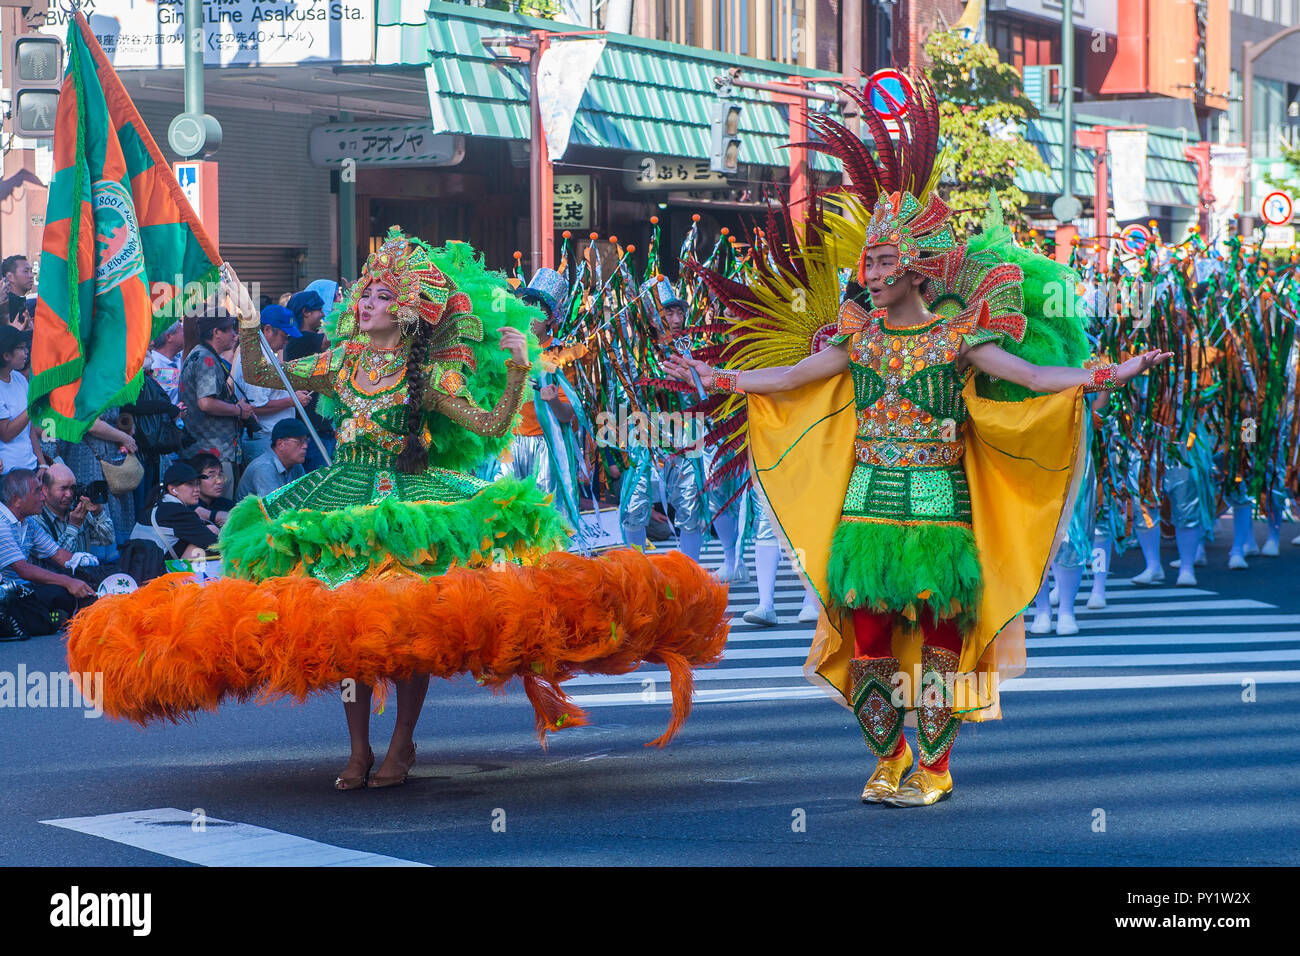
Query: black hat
point(212, 323)
point(288, 428)
point(11, 338)
point(179, 474)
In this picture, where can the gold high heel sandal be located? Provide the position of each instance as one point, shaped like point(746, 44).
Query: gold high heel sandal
point(355, 783)
point(394, 780)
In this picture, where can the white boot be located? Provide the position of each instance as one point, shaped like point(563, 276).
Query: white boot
point(811, 609)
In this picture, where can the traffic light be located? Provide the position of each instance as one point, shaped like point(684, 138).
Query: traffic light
point(724, 157)
point(38, 75)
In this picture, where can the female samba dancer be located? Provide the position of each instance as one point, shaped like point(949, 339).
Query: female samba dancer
point(390, 564)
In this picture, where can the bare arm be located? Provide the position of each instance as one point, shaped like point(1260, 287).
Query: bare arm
point(10, 427)
point(38, 575)
point(992, 360)
point(827, 363)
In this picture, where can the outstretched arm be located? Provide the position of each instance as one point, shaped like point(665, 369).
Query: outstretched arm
point(829, 362)
point(992, 360)
point(310, 373)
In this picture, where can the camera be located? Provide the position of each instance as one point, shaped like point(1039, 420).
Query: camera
point(96, 491)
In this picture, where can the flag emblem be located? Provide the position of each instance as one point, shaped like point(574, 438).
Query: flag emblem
point(119, 255)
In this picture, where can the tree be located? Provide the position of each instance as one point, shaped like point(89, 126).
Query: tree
point(982, 114)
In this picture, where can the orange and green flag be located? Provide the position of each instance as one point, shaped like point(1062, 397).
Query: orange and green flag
point(123, 253)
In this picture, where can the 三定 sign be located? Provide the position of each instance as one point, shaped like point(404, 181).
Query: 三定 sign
point(571, 202)
point(645, 173)
point(384, 144)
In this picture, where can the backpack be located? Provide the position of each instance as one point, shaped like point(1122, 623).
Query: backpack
point(156, 432)
point(141, 559)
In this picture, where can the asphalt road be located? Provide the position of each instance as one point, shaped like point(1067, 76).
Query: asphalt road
point(1176, 767)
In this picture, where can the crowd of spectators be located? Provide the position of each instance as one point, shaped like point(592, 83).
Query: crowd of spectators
point(149, 482)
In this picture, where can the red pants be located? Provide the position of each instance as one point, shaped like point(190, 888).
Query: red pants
point(872, 629)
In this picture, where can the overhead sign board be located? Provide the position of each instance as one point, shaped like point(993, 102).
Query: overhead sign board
point(150, 34)
point(384, 144)
point(644, 173)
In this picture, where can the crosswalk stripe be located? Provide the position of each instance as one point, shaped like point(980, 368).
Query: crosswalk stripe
point(1144, 638)
point(173, 833)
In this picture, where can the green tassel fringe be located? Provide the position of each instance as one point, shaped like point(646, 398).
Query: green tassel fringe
point(254, 548)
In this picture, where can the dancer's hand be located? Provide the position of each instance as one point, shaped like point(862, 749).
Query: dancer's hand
point(679, 367)
point(238, 300)
point(1127, 371)
point(514, 342)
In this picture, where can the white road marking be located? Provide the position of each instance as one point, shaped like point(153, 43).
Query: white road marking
point(172, 833)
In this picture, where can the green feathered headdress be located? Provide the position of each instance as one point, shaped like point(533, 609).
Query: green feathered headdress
point(1055, 314)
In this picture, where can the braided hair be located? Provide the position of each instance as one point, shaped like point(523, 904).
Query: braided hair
point(414, 457)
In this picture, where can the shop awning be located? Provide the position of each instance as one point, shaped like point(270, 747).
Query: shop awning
point(645, 95)
point(1171, 178)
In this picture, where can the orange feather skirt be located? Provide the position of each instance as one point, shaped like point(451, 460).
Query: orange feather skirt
point(175, 647)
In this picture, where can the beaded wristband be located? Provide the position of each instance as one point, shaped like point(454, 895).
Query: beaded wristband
point(726, 380)
point(523, 367)
point(1103, 377)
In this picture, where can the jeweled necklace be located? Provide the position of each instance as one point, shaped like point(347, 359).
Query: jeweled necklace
point(380, 363)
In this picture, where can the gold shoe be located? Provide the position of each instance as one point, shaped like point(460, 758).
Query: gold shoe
point(355, 783)
point(884, 782)
point(397, 779)
point(922, 788)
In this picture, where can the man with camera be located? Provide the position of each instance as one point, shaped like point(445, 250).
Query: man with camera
point(34, 596)
point(83, 526)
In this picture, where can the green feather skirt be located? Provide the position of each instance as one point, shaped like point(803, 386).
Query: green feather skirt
point(353, 519)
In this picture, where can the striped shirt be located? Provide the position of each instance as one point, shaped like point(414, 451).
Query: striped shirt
point(20, 541)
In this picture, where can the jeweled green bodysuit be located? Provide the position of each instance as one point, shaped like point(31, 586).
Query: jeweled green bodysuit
point(361, 514)
point(905, 539)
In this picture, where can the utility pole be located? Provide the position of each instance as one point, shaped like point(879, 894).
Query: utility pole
point(1067, 208)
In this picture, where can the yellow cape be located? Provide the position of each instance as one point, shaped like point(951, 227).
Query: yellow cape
point(1023, 464)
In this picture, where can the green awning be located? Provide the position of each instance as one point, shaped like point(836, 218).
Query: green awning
point(1171, 178)
point(644, 96)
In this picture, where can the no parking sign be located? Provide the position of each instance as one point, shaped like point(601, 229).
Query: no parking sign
point(890, 92)
point(1135, 238)
point(1276, 208)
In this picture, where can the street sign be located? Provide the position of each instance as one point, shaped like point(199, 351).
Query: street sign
point(890, 92)
point(1279, 237)
point(1066, 208)
point(1135, 238)
point(1276, 208)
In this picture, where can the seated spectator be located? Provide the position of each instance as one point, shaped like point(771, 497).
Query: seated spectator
point(85, 526)
point(173, 523)
point(213, 506)
point(18, 444)
point(35, 596)
point(279, 466)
